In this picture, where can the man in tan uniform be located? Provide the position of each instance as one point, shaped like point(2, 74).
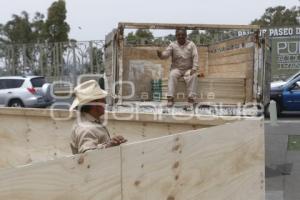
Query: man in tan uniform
point(88, 132)
point(184, 64)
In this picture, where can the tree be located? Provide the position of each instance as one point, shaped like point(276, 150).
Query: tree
point(38, 27)
point(279, 16)
point(56, 28)
point(18, 30)
point(140, 36)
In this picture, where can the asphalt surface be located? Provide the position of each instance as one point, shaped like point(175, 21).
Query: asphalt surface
point(282, 161)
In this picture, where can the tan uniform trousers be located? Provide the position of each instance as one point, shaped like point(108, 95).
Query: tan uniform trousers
point(191, 82)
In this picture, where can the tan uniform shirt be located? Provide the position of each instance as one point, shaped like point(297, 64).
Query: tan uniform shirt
point(88, 133)
point(184, 57)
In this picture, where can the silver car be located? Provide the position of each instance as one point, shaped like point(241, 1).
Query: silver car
point(25, 91)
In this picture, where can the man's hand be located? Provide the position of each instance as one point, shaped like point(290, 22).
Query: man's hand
point(116, 141)
point(193, 71)
point(159, 54)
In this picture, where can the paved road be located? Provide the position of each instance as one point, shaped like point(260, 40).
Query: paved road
point(282, 163)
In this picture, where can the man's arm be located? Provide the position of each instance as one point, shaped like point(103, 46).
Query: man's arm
point(195, 57)
point(166, 53)
point(88, 140)
point(92, 138)
point(115, 141)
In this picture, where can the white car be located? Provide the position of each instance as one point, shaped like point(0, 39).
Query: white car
point(25, 91)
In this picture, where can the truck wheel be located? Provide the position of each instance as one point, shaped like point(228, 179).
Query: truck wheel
point(16, 103)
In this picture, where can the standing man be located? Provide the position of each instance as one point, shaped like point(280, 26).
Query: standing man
point(88, 132)
point(184, 64)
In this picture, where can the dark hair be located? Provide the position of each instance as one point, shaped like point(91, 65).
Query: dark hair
point(180, 29)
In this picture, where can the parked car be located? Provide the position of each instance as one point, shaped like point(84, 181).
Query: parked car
point(286, 94)
point(25, 91)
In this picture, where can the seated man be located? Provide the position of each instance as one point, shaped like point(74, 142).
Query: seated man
point(184, 64)
point(88, 132)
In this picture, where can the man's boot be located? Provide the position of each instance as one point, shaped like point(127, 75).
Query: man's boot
point(190, 106)
point(170, 102)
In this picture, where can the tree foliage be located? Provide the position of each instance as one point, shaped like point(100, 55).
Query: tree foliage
point(21, 29)
point(278, 16)
point(140, 36)
point(56, 28)
point(17, 30)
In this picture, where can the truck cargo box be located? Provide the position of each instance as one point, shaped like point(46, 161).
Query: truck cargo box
point(182, 157)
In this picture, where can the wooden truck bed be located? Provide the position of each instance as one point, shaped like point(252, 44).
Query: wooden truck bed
point(193, 158)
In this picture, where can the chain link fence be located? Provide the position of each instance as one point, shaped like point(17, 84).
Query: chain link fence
point(62, 61)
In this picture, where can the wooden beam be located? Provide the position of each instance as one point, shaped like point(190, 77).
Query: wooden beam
point(119, 116)
point(131, 25)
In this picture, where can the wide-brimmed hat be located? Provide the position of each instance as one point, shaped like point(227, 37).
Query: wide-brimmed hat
point(87, 92)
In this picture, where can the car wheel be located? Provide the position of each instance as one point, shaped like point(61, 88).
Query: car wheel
point(16, 103)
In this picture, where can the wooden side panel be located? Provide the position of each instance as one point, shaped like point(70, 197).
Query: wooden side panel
point(93, 176)
point(25, 139)
point(231, 44)
point(32, 135)
point(216, 90)
point(220, 163)
point(136, 131)
point(237, 63)
point(141, 65)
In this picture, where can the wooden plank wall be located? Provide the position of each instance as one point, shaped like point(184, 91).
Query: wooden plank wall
point(32, 135)
point(142, 81)
point(212, 90)
point(220, 163)
point(232, 59)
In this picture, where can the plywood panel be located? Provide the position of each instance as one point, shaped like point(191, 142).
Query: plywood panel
point(229, 53)
point(227, 69)
point(219, 163)
point(27, 139)
point(232, 59)
point(232, 43)
point(92, 176)
point(222, 90)
point(138, 131)
point(32, 135)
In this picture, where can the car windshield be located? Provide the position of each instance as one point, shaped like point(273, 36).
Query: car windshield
point(292, 77)
point(37, 82)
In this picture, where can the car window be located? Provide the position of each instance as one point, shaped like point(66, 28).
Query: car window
point(37, 82)
point(11, 83)
point(2, 84)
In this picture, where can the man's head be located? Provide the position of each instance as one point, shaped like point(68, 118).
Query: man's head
point(181, 36)
point(89, 98)
point(95, 108)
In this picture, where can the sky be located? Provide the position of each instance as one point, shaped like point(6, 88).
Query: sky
point(93, 19)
